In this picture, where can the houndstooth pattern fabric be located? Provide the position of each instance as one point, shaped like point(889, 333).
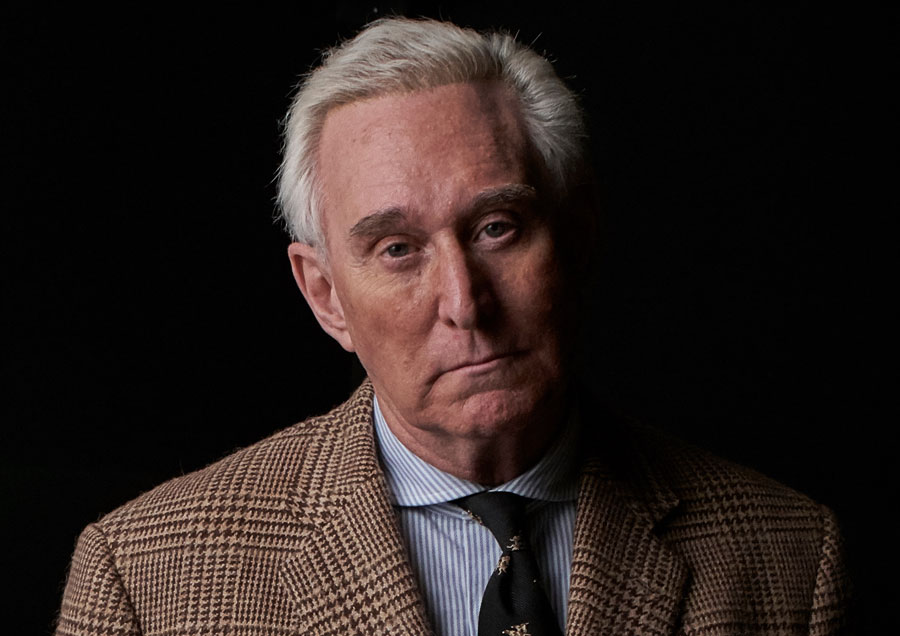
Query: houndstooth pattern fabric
point(295, 535)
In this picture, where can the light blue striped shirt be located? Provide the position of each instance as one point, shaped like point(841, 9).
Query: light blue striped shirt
point(452, 555)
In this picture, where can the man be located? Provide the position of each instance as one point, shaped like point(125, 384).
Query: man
point(435, 182)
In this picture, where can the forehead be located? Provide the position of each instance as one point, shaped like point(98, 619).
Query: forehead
point(422, 150)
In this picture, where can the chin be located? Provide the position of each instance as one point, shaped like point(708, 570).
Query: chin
point(500, 411)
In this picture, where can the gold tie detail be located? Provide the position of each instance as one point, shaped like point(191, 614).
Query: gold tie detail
point(514, 603)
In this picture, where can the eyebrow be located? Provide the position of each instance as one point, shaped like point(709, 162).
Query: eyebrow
point(378, 223)
point(513, 193)
point(391, 219)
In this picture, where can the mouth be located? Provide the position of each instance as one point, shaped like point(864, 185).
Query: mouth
point(482, 365)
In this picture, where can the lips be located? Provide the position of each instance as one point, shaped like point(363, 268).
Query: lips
point(483, 363)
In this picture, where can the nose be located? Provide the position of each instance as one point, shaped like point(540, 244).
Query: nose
point(461, 289)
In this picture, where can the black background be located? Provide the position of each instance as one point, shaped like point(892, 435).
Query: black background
point(151, 324)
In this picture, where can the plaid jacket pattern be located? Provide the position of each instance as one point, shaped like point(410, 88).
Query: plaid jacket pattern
point(296, 535)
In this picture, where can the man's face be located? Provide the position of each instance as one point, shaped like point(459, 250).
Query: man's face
point(442, 274)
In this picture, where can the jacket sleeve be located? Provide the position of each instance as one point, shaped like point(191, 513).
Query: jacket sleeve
point(95, 600)
point(831, 596)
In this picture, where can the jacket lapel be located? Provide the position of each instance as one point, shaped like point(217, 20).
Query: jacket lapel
point(624, 580)
point(351, 573)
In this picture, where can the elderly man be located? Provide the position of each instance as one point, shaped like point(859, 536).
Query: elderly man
point(435, 182)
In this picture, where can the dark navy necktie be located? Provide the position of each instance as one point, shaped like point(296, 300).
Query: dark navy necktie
point(514, 602)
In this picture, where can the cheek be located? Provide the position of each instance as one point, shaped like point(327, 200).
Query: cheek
point(386, 323)
point(534, 286)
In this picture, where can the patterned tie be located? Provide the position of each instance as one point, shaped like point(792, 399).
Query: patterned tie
point(514, 603)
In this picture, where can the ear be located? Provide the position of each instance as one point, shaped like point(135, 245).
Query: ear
point(315, 282)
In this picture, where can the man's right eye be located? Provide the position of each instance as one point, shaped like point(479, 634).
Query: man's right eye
point(397, 250)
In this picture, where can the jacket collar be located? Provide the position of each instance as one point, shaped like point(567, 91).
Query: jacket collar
point(625, 579)
point(351, 572)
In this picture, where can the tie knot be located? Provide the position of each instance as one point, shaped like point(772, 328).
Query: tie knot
point(503, 513)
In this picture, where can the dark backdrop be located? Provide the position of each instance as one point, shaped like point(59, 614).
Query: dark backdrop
point(152, 324)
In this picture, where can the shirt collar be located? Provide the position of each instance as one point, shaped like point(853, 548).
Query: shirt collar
point(414, 482)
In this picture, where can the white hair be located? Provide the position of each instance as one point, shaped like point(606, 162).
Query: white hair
point(399, 55)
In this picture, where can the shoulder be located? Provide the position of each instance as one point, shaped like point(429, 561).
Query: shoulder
point(258, 482)
point(709, 486)
point(757, 551)
point(718, 514)
point(221, 533)
point(743, 534)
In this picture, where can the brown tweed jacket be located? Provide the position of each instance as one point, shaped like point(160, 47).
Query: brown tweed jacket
point(295, 535)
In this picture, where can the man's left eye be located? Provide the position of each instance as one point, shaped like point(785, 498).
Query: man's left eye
point(496, 229)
